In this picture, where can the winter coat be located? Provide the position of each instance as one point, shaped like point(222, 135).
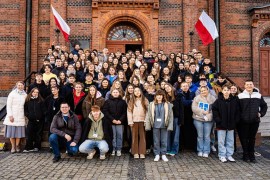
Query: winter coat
point(34, 110)
point(15, 108)
point(86, 105)
point(53, 106)
point(226, 112)
point(138, 114)
point(72, 127)
point(115, 108)
point(250, 106)
point(77, 109)
point(66, 90)
point(178, 110)
point(57, 70)
point(150, 116)
point(198, 112)
point(103, 91)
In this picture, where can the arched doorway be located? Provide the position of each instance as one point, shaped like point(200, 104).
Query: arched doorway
point(123, 37)
point(265, 64)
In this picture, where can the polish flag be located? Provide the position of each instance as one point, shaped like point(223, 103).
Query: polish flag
point(206, 29)
point(61, 24)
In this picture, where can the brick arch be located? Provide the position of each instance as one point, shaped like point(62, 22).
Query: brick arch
point(139, 23)
point(257, 34)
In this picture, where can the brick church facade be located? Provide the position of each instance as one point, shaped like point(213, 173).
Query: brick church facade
point(156, 24)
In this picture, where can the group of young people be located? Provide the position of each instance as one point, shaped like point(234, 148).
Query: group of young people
point(101, 102)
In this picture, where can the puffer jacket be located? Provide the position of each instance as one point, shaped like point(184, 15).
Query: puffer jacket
point(34, 110)
point(115, 108)
point(15, 108)
point(250, 106)
point(198, 112)
point(226, 112)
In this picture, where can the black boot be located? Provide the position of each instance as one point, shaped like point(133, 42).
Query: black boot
point(252, 157)
point(245, 157)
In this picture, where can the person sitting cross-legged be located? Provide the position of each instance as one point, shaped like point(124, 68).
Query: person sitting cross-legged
point(66, 131)
point(99, 135)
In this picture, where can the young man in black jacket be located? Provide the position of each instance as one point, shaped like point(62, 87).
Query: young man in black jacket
point(252, 108)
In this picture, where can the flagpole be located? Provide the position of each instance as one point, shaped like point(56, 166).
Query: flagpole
point(217, 41)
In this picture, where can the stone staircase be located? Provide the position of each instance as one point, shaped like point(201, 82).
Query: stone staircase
point(264, 128)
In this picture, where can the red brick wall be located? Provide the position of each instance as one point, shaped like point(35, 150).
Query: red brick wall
point(12, 40)
point(169, 27)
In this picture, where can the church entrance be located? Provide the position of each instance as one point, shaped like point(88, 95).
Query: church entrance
point(265, 65)
point(124, 37)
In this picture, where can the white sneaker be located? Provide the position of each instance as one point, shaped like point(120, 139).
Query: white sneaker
point(118, 153)
point(156, 158)
point(164, 158)
point(200, 154)
point(231, 159)
point(91, 154)
point(113, 153)
point(223, 159)
point(213, 148)
point(205, 155)
point(102, 157)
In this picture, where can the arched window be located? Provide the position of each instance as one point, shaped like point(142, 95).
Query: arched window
point(265, 41)
point(124, 33)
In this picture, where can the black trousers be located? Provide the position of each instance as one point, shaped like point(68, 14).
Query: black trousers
point(34, 134)
point(247, 134)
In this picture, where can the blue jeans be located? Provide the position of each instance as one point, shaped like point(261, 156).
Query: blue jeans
point(160, 137)
point(57, 141)
point(88, 145)
point(117, 137)
point(203, 139)
point(225, 143)
point(173, 138)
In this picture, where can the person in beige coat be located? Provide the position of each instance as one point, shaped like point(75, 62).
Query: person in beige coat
point(160, 117)
point(136, 113)
point(202, 115)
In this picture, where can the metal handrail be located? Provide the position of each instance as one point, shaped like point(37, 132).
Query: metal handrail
point(3, 111)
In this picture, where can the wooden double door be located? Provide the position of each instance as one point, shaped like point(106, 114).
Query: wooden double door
point(124, 46)
point(265, 71)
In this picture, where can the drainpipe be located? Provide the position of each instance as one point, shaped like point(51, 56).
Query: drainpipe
point(217, 44)
point(28, 37)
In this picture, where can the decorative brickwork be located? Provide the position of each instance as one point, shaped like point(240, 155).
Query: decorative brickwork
point(163, 24)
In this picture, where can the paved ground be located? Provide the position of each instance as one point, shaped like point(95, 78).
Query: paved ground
point(185, 166)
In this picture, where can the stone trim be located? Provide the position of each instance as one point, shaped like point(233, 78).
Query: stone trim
point(9, 73)
point(79, 37)
point(237, 11)
point(248, 1)
point(245, 75)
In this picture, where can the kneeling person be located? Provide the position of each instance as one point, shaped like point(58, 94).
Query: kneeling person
point(96, 135)
point(66, 131)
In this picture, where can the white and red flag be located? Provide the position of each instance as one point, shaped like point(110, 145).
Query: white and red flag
point(206, 29)
point(61, 24)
